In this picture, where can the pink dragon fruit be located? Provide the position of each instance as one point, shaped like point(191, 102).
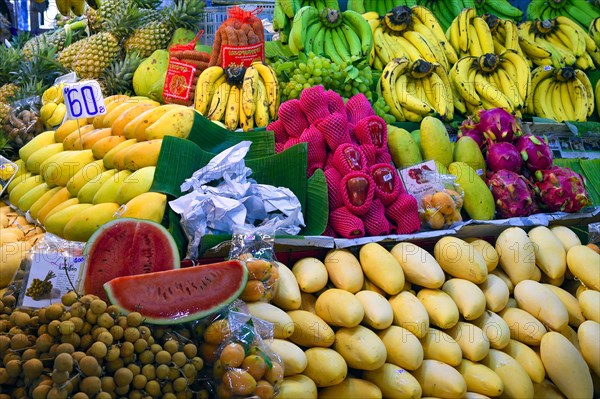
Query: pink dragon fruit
point(535, 151)
point(470, 128)
point(504, 155)
point(497, 124)
point(513, 194)
point(561, 189)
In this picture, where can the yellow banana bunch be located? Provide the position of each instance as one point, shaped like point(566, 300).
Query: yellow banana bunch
point(505, 35)
point(559, 42)
point(414, 90)
point(491, 81)
point(251, 103)
point(471, 35)
point(414, 33)
point(561, 94)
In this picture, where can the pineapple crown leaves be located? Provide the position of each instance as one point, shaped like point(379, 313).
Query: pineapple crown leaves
point(121, 26)
point(118, 78)
point(9, 62)
point(41, 66)
point(186, 14)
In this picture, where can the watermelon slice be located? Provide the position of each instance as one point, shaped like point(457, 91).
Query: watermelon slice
point(126, 247)
point(178, 296)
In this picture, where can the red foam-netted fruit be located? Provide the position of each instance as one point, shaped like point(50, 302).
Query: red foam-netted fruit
point(370, 152)
point(279, 147)
point(336, 102)
point(329, 231)
point(404, 213)
point(346, 224)
point(315, 103)
point(387, 183)
point(383, 156)
point(375, 221)
point(358, 107)
point(317, 153)
point(329, 162)
point(372, 130)
point(349, 158)
point(292, 117)
point(335, 130)
point(334, 179)
point(279, 132)
point(357, 189)
point(292, 141)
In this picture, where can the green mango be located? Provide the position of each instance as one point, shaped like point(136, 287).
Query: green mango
point(416, 134)
point(467, 150)
point(435, 141)
point(441, 168)
point(181, 36)
point(151, 74)
point(403, 148)
point(478, 199)
point(203, 48)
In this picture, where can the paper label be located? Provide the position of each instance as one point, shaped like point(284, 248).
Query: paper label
point(243, 55)
point(179, 81)
point(66, 270)
point(416, 183)
point(83, 99)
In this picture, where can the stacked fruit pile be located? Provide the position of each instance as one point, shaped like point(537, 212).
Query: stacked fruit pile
point(76, 178)
point(582, 12)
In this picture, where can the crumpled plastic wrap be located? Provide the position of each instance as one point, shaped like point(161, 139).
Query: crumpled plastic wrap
point(222, 195)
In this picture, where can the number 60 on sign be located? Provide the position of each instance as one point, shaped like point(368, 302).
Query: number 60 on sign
point(83, 99)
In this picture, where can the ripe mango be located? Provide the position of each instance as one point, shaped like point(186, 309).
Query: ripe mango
point(478, 200)
point(467, 150)
point(435, 141)
point(403, 148)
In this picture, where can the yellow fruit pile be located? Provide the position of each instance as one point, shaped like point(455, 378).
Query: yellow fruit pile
point(517, 319)
point(88, 172)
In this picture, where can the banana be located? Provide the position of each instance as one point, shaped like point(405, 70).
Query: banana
point(261, 116)
point(108, 191)
point(137, 183)
point(522, 74)
point(459, 75)
point(452, 35)
point(475, 49)
point(353, 40)
point(41, 140)
point(35, 160)
point(441, 97)
point(318, 42)
point(509, 88)
point(491, 93)
point(269, 77)
point(580, 99)
point(108, 158)
point(464, 20)
point(572, 38)
point(329, 47)
point(136, 128)
point(436, 47)
point(381, 46)
point(556, 101)
point(589, 90)
point(59, 197)
point(537, 76)
point(83, 224)
point(149, 206)
point(88, 191)
point(303, 19)
point(206, 86)
point(246, 123)
point(142, 154)
point(401, 47)
point(421, 44)
point(31, 196)
point(60, 173)
point(64, 7)
point(55, 223)
point(567, 101)
point(78, 7)
point(249, 91)
point(428, 19)
point(528, 44)
point(390, 74)
point(362, 29)
point(310, 35)
point(219, 102)
point(176, 122)
point(84, 175)
point(339, 42)
point(409, 101)
point(585, 62)
point(104, 145)
point(448, 90)
point(484, 35)
point(232, 111)
point(541, 106)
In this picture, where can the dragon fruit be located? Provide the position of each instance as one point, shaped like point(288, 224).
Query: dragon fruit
point(513, 194)
point(497, 124)
point(469, 127)
point(504, 155)
point(535, 151)
point(561, 189)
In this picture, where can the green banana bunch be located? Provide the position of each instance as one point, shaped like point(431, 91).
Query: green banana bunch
point(381, 7)
point(330, 32)
point(285, 10)
point(580, 11)
point(500, 8)
point(447, 11)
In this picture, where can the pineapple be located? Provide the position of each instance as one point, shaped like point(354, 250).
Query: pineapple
point(90, 57)
point(4, 112)
point(7, 92)
point(119, 76)
point(100, 18)
point(155, 35)
point(57, 39)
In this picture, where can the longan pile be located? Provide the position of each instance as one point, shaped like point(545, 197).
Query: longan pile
point(82, 348)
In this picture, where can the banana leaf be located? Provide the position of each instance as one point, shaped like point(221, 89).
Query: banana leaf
point(591, 169)
point(575, 164)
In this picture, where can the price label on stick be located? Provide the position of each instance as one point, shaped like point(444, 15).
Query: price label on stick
point(84, 99)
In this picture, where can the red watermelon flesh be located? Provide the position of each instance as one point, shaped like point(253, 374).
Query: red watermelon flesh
point(178, 296)
point(126, 247)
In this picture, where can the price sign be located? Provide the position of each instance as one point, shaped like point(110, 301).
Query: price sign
point(83, 99)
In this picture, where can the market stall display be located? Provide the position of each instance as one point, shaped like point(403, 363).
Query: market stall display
point(400, 215)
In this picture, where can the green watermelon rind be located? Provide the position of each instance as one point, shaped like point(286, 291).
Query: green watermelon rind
point(192, 316)
point(90, 243)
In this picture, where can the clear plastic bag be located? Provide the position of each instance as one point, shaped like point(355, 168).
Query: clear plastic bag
point(255, 248)
point(594, 236)
point(245, 367)
point(8, 170)
point(440, 205)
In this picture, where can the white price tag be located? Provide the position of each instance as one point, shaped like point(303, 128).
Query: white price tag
point(83, 99)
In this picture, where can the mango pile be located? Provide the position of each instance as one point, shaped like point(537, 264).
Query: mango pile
point(517, 319)
point(89, 171)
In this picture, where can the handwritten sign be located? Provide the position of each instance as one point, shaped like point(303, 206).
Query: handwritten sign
point(83, 99)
